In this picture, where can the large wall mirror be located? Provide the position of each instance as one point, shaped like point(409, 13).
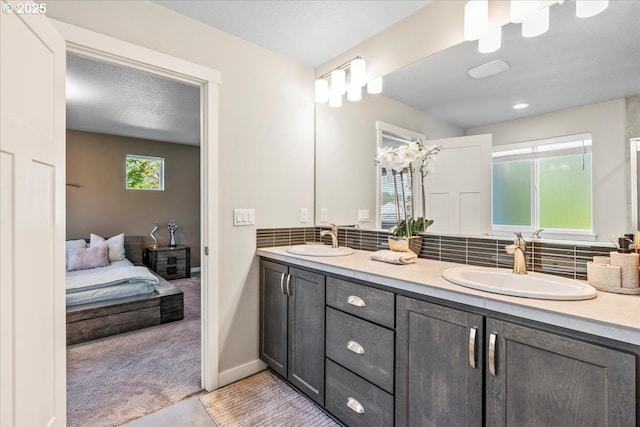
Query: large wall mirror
point(581, 77)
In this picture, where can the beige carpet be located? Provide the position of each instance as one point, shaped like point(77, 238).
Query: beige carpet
point(263, 399)
point(116, 379)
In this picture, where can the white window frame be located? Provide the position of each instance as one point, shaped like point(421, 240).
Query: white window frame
point(150, 158)
point(534, 150)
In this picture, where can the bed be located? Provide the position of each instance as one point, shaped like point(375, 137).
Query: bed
point(113, 310)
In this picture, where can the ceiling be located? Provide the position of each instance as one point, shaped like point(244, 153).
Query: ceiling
point(108, 99)
point(578, 61)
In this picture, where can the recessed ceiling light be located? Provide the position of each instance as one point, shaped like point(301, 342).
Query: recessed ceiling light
point(488, 69)
point(520, 106)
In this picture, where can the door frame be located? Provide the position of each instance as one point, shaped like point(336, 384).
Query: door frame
point(96, 46)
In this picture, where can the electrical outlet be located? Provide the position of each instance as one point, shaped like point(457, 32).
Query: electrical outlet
point(304, 214)
point(324, 215)
point(363, 215)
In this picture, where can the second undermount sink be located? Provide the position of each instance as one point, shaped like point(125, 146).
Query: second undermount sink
point(531, 285)
point(319, 250)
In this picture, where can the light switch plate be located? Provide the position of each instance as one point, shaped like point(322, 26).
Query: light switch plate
point(244, 217)
point(363, 215)
point(304, 215)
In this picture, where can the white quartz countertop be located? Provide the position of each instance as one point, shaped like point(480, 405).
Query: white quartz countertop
point(609, 315)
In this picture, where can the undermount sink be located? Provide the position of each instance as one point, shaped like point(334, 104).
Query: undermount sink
point(319, 250)
point(531, 285)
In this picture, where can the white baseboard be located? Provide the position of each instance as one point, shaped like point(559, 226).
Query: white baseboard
point(240, 372)
point(195, 270)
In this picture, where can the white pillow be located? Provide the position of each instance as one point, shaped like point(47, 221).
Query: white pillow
point(115, 243)
point(80, 243)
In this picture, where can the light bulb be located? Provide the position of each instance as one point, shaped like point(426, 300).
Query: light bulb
point(374, 86)
point(338, 82)
point(587, 9)
point(520, 9)
point(491, 41)
point(335, 100)
point(536, 23)
point(322, 91)
point(358, 72)
point(476, 19)
point(354, 92)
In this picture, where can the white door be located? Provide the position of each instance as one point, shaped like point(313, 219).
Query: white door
point(459, 192)
point(32, 220)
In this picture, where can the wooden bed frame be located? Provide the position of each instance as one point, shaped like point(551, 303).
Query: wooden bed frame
point(87, 322)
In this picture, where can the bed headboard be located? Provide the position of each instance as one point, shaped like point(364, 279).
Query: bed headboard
point(133, 249)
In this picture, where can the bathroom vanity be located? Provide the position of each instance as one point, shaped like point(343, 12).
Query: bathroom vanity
point(382, 344)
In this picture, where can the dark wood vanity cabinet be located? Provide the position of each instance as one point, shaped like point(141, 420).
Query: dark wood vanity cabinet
point(531, 377)
point(292, 325)
point(439, 365)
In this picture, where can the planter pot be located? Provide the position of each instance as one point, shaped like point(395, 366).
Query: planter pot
point(405, 244)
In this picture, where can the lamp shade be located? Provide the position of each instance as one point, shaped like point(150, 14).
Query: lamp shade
point(374, 86)
point(335, 100)
point(476, 19)
point(358, 72)
point(322, 91)
point(587, 9)
point(522, 8)
point(535, 24)
point(354, 92)
point(491, 41)
point(338, 82)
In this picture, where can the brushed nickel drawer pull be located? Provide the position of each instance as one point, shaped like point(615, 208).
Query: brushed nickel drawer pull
point(282, 284)
point(356, 301)
point(492, 354)
point(472, 347)
point(354, 405)
point(355, 347)
point(288, 282)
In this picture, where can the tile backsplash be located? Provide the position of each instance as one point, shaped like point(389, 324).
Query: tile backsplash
point(562, 259)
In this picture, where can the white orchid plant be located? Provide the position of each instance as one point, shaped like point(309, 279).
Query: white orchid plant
point(408, 159)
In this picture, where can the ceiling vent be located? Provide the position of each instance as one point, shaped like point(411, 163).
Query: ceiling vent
point(489, 69)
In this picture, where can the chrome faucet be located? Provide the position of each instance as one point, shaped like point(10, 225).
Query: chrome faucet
point(536, 234)
point(333, 233)
point(519, 252)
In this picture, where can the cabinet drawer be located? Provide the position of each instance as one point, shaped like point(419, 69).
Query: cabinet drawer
point(369, 303)
point(362, 347)
point(355, 401)
point(172, 256)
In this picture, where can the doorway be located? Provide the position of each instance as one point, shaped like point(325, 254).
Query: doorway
point(88, 44)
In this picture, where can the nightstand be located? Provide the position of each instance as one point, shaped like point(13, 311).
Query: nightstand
point(170, 263)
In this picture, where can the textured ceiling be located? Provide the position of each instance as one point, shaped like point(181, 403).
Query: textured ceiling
point(109, 99)
point(577, 62)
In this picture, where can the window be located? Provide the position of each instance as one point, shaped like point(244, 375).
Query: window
point(144, 173)
point(543, 184)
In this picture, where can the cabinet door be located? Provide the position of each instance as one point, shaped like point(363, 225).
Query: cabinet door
point(542, 379)
point(438, 365)
point(306, 333)
point(273, 316)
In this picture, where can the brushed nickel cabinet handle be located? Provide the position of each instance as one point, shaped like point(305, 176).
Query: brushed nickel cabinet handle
point(282, 283)
point(288, 282)
point(492, 354)
point(355, 406)
point(356, 301)
point(472, 347)
point(355, 347)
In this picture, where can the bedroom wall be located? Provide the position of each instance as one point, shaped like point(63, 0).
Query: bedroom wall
point(102, 205)
point(266, 144)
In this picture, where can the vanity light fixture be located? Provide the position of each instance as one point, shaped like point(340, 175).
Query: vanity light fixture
point(589, 8)
point(476, 19)
point(536, 23)
point(490, 41)
point(348, 78)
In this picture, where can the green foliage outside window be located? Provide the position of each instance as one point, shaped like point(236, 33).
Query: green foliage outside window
point(145, 173)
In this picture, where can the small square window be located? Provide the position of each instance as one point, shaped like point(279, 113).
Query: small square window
point(145, 173)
